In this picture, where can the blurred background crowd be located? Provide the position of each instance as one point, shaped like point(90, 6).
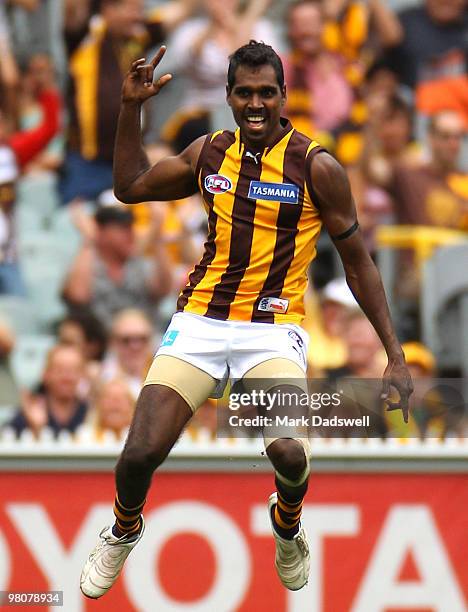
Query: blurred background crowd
point(87, 286)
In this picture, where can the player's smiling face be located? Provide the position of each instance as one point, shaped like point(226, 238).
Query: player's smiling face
point(256, 100)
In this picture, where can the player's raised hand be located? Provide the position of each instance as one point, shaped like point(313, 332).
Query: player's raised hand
point(139, 84)
point(398, 376)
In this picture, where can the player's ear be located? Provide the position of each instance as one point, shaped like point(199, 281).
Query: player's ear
point(284, 97)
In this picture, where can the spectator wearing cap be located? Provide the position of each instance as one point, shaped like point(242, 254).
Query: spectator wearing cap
point(108, 274)
point(325, 323)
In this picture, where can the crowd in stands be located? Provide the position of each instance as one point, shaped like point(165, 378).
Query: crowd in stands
point(87, 285)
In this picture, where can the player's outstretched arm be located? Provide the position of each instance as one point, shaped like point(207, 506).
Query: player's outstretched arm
point(134, 179)
point(338, 212)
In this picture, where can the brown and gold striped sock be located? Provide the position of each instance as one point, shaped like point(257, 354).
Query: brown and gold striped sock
point(286, 514)
point(286, 517)
point(127, 520)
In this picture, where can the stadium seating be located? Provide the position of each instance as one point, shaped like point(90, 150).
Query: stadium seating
point(444, 306)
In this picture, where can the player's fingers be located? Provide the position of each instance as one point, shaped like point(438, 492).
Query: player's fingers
point(385, 388)
point(137, 63)
point(158, 57)
point(162, 81)
point(145, 72)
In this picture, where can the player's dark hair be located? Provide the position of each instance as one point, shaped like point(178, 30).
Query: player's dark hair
point(255, 54)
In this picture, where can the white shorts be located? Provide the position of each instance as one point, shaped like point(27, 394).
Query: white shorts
point(229, 349)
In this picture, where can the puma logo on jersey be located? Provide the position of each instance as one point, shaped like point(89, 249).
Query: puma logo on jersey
point(277, 192)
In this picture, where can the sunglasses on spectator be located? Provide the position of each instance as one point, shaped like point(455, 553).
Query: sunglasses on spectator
point(132, 339)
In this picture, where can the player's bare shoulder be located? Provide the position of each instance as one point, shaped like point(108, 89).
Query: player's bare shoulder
point(329, 179)
point(191, 154)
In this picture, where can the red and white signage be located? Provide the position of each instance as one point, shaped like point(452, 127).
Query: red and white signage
point(379, 543)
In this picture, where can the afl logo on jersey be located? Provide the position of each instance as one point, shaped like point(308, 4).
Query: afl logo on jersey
point(217, 183)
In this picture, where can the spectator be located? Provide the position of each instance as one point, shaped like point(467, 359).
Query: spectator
point(39, 74)
point(111, 409)
point(436, 192)
point(202, 46)
point(431, 59)
point(363, 348)
point(350, 23)
point(16, 150)
point(84, 331)
point(130, 350)
point(120, 34)
point(56, 404)
point(108, 274)
point(386, 143)
point(325, 323)
point(319, 95)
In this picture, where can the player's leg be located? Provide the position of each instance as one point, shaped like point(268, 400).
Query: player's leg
point(174, 389)
point(288, 450)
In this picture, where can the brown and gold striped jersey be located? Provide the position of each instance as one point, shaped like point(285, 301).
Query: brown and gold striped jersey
point(262, 229)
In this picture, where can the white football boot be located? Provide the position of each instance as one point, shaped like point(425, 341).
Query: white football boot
point(105, 562)
point(292, 558)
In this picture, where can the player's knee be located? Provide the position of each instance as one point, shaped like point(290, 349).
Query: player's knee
point(288, 457)
point(140, 459)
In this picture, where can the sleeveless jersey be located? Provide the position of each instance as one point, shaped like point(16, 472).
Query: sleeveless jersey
point(262, 230)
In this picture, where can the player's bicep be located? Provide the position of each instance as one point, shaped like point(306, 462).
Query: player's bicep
point(333, 194)
point(337, 209)
point(171, 178)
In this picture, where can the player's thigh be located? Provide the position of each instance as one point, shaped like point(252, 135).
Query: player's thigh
point(172, 392)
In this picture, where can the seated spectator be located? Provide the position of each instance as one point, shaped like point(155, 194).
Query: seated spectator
point(386, 143)
point(119, 35)
point(85, 332)
point(363, 348)
point(108, 274)
point(431, 58)
point(111, 409)
point(131, 349)
point(202, 46)
point(436, 192)
point(56, 404)
point(16, 150)
point(325, 322)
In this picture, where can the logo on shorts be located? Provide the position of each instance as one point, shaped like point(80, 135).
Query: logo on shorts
point(276, 192)
point(217, 183)
point(169, 338)
point(272, 304)
point(295, 337)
